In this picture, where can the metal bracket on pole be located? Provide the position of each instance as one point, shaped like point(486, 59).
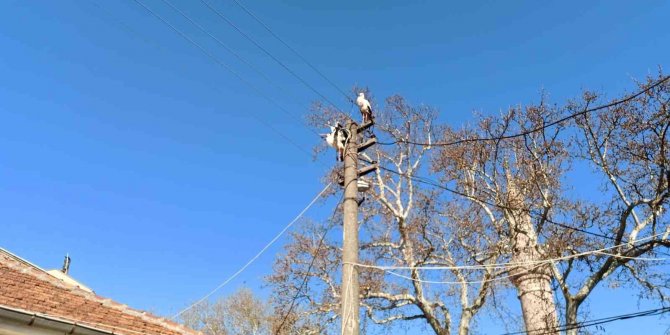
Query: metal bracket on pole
point(367, 144)
point(366, 125)
point(365, 170)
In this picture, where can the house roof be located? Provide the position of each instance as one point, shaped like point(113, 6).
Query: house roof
point(26, 287)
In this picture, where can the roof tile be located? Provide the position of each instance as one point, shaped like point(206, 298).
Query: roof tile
point(26, 287)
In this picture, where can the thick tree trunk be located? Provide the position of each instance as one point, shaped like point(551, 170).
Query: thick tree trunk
point(537, 302)
point(533, 282)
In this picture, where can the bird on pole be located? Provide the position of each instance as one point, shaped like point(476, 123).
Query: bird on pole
point(337, 140)
point(365, 107)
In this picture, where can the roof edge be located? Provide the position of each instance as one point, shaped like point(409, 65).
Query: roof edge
point(22, 260)
point(32, 319)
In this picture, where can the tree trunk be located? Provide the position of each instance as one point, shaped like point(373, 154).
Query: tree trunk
point(571, 317)
point(537, 302)
point(464, 324)
point(533, 282)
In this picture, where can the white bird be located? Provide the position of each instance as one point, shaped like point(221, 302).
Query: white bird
point(330, 138)
point(341, 139)
point(365, 107)
point(337, 140)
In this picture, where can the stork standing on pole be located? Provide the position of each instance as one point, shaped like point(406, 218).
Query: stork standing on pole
point(365, 107)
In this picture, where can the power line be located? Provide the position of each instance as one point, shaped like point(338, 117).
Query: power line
point(225, 66)
point(293, 50)
point(611, 319)
point(436, 144)
point(216, 60)
point(245, 266)
point(234, 53)
point(427, 181)
point(309, 268)
point(295, 75)
point(593, 322)
point(304, 281)
point(550, 124)
point(256, 90)
point(499, 278)
point(517, 264)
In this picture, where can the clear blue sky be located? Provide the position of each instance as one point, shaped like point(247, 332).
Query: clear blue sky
point(123, 145)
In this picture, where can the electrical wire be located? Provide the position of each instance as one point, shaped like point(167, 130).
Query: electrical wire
point(434, 144)
point(284, 230)
point(510, 264)
point(240, 58)
point(309, 268)
point(644, 259)
point(593, 322)
point(277, 60)
point(245, 266)
point(294, 51)
point(499, 278)
point(304, 281)
point(216, 60)
point(427, 181)
point(225, 66)
point(544, 126)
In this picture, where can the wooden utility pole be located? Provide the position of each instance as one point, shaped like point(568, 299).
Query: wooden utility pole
point(349, 294)
point(350, 300)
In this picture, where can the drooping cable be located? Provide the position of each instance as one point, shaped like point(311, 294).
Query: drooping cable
point(544, 126)
point(309, 268)
point(427, 181)
point(255, 257)
point(517, 264)
point(593, 322)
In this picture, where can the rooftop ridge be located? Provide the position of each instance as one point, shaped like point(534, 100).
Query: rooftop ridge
point(21, 260)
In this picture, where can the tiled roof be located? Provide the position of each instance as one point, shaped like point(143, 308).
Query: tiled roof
point(27, 287)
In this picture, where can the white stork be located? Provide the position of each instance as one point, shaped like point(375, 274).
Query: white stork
point(336, 139)
point(365, 107)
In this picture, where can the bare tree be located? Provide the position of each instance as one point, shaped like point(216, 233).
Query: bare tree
point(402, 225)
point(303, 306)
point(627, 145)
point(509, 202)
point(238, 314)
point(523, 184)
point(509, 180)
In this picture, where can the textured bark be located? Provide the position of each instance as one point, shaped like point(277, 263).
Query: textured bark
point(537, 302)
point(533, 282)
